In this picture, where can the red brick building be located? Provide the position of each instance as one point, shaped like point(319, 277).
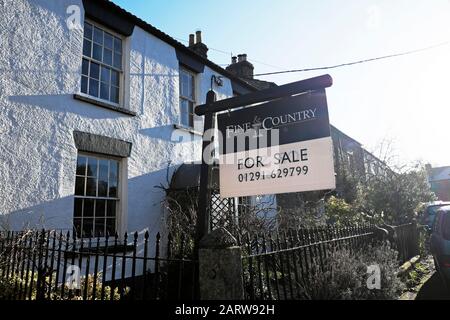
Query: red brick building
point(439, 179)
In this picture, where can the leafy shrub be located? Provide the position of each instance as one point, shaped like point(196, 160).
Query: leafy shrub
point(338, 213)
point(77, 294)
point(344, 275)
point(7, 286)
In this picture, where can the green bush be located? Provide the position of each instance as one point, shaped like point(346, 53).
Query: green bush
point(338, 212)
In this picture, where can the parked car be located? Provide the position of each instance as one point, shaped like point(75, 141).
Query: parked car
point(430, 212)
point(440, 244)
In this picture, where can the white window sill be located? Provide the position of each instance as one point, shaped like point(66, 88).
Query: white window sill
point(103, 104)
point(187, 129)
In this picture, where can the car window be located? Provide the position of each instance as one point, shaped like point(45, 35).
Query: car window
point(432, 210)
point(437, 223)
point(445, 226)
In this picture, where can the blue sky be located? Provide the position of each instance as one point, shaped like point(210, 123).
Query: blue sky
point(404, 100)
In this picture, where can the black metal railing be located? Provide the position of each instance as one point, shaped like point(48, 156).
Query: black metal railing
point(275, 267)
point(58, 266)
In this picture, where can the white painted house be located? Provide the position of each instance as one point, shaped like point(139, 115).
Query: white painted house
point(95, 106)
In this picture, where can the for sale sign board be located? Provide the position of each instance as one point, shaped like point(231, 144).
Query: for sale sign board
point(277, 147)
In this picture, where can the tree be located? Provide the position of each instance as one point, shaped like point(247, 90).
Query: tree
point(395, 195)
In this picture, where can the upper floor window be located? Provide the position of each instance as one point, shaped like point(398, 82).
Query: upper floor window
point(96, 196)
point(102, 63)
point(187, 98)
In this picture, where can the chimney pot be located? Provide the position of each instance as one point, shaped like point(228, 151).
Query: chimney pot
point(233, 60)
point(240, 58)
point(191, 40)
point(199, 36)
point(244, 57)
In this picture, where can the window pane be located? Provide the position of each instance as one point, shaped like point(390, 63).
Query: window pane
point(183, 106)
point(97, 52)
point(78, 208)
point(185, 119)
point(95, 70)
point(107, 56)
point(117, 45)
point(91, 187)
point(103, 178)
point(104, 91)
point(85, 67)
point(190, 87)
point(111, 209)
point(114, 94)
point(108, 41)
point(103, 169)
point(102, 188)
point(88, 228)
point(98, 35)
point(191, 120)
point(113, 171)
point(111, 226)
point(114, 78)
point(113, 178)
point(117, 61)
point(88, 208)
point(92, 167)
point(100, 208)
point(184, 112)
point(99, 227)
point(87, 30)
point(77, 226)
point(84, 84)
point(113, 190)
point(87, 48)
point(93, 87)
point(81, 166)
point(79, 186)
point(184, 84)
point(105, 75)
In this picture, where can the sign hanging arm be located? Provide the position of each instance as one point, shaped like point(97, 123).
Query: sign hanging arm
point(289, 89)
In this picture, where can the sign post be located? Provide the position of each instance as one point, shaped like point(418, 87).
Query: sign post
point(203, 223)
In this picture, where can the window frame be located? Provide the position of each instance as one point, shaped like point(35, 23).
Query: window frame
point(121, 72)
point(118, 199)
point(193, 100)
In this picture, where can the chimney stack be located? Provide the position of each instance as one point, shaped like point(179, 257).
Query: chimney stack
point(199, 47)
point(242, 67)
